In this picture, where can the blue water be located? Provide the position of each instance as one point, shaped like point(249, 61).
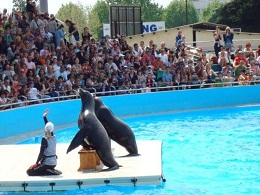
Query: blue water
point(204, 152)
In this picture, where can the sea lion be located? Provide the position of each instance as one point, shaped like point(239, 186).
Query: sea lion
point(116, 129)
point(92, 132)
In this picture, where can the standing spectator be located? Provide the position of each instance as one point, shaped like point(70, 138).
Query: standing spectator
point(3, 45)
point(53, 27)
point(178, 37)
point(86, 35)
point(73, 30)
point(217, 40)
point(59, 35)
point(30, 7)
point(228, 39)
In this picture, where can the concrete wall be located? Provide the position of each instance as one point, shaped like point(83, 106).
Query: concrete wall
point(204, 38)
point(21, 120)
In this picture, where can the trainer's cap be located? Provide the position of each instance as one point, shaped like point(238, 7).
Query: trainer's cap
point(49, 127)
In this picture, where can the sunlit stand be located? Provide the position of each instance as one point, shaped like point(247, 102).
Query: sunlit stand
point(88, 159)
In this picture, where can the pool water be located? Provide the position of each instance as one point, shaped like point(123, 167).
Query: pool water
point(204, 152)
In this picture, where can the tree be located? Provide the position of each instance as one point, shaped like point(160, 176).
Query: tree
point(175, 14)
point(242, 14)
point(76, 13)
point(211, 12)
point(99, 15)
point(19, 4)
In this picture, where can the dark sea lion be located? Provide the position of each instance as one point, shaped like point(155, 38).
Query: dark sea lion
point(116, 129)
point(92, 132)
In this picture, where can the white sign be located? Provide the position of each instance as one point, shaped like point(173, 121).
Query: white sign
point(148, 27)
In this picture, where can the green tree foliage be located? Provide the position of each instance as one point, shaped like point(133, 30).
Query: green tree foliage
point(211, 12)
point(19, 4)
point(74, 12)
point(98, 16)
point(175, 14)
point(241, 14)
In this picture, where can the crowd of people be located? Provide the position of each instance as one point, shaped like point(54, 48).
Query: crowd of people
point(37, 61)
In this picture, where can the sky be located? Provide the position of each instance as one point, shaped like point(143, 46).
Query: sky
point(55, 5)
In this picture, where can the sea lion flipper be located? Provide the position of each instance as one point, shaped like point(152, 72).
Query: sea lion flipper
point(77, 140)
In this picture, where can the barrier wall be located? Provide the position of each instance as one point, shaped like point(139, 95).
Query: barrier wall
point(204, 38)
point(22, 120)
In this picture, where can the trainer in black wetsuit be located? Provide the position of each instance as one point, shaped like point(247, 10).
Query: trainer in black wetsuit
point(47, 158)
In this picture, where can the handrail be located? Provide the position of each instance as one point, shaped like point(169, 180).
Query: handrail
point(177, 86)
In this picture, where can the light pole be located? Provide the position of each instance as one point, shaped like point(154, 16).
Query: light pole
point(44, 5)
point(186, 12)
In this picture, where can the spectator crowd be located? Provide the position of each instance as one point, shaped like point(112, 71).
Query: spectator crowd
point(38, 62)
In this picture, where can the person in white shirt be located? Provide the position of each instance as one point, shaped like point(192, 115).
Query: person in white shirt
point(33, 92)
point(56, 63)
point(35, 23)
point(30, 64)
point(111, 65)
point(137, 51)
point(61, 72)
point(163, 56)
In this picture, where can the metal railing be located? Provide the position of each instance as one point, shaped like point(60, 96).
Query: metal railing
point(24, 101)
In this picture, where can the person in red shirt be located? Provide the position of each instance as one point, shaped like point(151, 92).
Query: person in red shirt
point(240, 56)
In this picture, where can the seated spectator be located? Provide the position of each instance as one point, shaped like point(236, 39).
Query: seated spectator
point(195, 82)
point(11, 51)
point(60, 86)
point(255, 70)
point(238, 58)
point(148, 57)
point(166, 78)
point(247, 50)
point(150, 81)
point(243, 79)
point(158, 65)
point(228, 79)
point(4, 101)
point(227, 68)
point(210, 74)
point(144, 88)
point(200, 69)
point(223, 57)
point(163, 56)
point(69, 86)
point(239, 68)
point(33, 93)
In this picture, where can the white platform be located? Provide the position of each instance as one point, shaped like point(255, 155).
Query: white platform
point(145, 169)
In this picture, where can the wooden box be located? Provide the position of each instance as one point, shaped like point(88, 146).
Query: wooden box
point(88, 159)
